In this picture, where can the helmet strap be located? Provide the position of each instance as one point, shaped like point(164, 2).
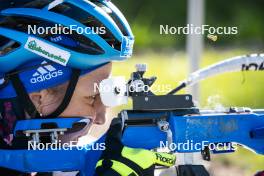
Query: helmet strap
point(23, 96)
point(68, 95)
point(28, 105)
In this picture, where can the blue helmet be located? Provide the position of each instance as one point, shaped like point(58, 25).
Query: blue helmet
point(78, 49)
point(47, 42)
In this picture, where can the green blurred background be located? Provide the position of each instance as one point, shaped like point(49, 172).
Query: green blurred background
point(167, 58)
point(146, 16)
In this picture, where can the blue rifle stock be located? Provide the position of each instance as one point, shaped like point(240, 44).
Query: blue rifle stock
point(244, 128)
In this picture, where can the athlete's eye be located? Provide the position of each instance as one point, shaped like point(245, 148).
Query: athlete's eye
point(91, 99)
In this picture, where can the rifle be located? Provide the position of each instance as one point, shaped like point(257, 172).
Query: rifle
point(154, 121)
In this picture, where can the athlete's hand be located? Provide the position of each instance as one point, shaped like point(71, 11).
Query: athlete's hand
point(118, 159)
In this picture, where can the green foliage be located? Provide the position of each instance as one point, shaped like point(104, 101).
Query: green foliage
point(246, 161)
point(146, 16)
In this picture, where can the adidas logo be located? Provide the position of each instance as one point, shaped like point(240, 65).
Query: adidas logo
point(44, 73)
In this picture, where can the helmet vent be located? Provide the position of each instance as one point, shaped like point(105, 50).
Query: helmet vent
point(88, 20)
point(38, 4)
point(7, 45)
point(113, 16)
point(73, 41)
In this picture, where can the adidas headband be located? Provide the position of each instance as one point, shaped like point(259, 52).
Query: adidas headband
point(44, 76)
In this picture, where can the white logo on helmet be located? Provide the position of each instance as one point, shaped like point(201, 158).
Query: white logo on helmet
point(47, 51)
point(45, 73)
